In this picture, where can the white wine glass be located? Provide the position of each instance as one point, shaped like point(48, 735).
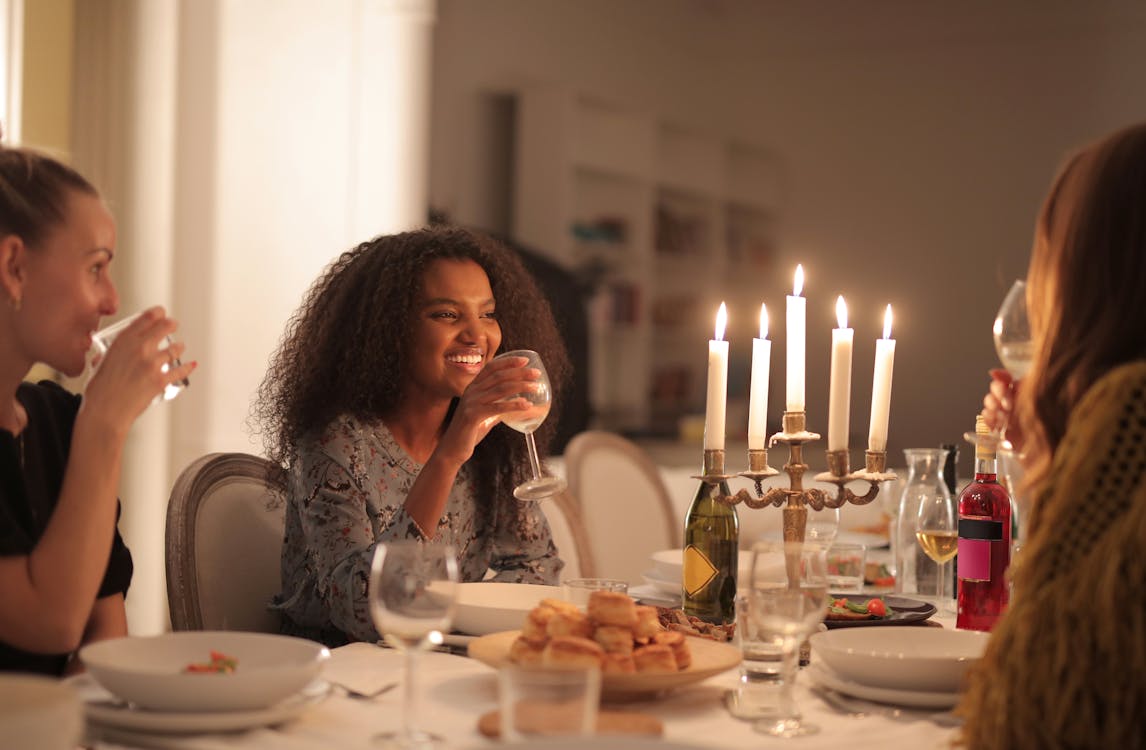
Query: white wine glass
point(527, 422)
point(937, 532)
point(1013, 343)
point(787, 600)
point(413, 594)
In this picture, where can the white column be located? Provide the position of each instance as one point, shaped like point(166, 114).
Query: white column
point(390, 171)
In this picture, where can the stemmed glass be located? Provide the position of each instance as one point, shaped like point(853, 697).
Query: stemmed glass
point(527, 422)
point(787, 599)
point(938, 535)
point(413, 590)
point(1013, 342)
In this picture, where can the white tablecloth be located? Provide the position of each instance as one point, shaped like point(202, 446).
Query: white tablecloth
point(456, 691)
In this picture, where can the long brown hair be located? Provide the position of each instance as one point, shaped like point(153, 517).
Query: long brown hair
point(1086, 286)
point(342, 350)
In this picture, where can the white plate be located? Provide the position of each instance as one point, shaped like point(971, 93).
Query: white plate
point(821, 674)
point(111, 713)
point(669, 586)
point(149, 671)
point(649, 594)
point(493, 607)
point(869, 540)
point(934, 659)
point(602, 742)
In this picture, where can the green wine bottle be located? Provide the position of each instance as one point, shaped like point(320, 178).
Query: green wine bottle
point(711, 542)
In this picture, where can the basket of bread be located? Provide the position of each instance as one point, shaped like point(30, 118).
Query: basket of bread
point(636, 654)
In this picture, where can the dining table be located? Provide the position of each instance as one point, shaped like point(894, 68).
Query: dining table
point(455, 691)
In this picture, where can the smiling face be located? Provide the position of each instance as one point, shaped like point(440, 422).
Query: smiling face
point(66, 287)
point(455, 331)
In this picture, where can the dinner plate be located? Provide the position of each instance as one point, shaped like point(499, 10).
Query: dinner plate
point(821, 674)
point(709, 658)
point(662, 583)
point(492, 606)
point(668, 564)
point(904, 612)
point(107, 711)
point(649, 594)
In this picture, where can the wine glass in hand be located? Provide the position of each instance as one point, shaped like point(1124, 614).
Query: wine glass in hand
point(938, 535)
point(540, 397)
point(1013, 342)
point(413, 590)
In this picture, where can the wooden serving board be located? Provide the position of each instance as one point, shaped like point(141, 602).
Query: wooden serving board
point(608, 722)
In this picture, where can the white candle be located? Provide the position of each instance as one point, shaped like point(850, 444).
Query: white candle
point(881, 387)
point(840, 390)
point(717, 385)
point(796, 329)
point(758, 394)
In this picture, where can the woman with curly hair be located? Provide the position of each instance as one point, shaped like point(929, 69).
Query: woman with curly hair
point(1065, 665)
point(384, 407)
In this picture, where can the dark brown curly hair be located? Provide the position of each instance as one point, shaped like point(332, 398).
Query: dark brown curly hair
point(343, 349)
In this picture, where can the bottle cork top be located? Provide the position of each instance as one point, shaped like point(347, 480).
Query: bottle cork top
point(984, 446)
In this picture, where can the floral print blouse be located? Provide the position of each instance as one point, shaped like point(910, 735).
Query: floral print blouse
point(346, 495)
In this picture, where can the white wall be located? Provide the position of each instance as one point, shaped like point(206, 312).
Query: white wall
point(243, 144)
point(917, 141)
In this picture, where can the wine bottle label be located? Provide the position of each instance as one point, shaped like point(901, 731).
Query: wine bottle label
point(698, 570)
point(975, 538)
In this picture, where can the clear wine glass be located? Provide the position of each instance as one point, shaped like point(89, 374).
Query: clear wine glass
point(938, 535)
point(527, 422)
point(413, 590)
point(1013, 341)
point(787, 599)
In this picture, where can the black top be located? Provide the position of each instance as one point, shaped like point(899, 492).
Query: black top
point(31, 475)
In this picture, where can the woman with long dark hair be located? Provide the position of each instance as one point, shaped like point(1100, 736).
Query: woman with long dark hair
point(383, 405)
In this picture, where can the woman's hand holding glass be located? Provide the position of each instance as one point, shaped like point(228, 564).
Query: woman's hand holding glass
point(488, 399)
point(538, 399)
point(136, 368)
point(1015, 347)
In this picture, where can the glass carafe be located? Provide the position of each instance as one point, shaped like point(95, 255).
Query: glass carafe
point(914, 571)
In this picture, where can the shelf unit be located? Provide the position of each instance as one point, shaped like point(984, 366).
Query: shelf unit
point(667, 222)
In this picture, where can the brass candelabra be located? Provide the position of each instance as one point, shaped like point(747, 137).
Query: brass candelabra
point(796, 499)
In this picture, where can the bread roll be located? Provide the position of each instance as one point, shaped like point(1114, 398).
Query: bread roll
point(616, 663)
point(526, 652)
point(612, 608)
point(679, 645)
point(572, 651)
point(648, 623)
point(654, 658)
point(614, 639)
point(569, 623)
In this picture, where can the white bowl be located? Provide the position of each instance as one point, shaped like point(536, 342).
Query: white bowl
point(491, 607)
point(149, 671)
point(923, 658)
point(39, 713)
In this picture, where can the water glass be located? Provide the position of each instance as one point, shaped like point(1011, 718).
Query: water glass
point(762, 669)
point(846, 562)
point(103, 338)
point(577, 590)
point(548, 702)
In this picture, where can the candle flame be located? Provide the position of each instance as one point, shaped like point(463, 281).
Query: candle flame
point(798, 284)
point(763, 321)
point(887, 323)
point(721, 321)
point(841, 312)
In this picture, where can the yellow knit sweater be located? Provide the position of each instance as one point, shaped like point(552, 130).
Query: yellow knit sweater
point(1066, 665)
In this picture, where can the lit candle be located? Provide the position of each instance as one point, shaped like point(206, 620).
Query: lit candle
point(881, 387)
point(758, 394)
point(717, 384)
point(840, 391)
point(796, 327)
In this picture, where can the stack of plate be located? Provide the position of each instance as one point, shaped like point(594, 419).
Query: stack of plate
point(139, 685)
point(663, 578)
point(922, 667)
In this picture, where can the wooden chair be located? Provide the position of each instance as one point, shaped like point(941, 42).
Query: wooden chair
point(623, 501)
point(223, 542)
point(570, 537)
